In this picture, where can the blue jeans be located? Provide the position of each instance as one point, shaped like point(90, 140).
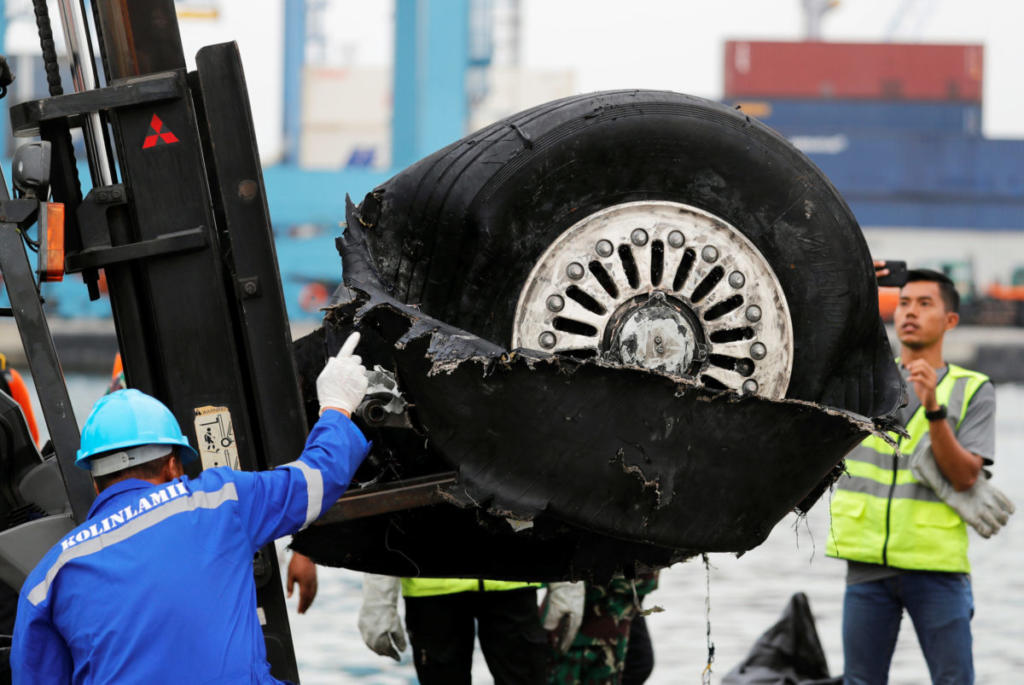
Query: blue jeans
point(939, 604)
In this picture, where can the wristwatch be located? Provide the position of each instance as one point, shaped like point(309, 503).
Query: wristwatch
point(937, 415)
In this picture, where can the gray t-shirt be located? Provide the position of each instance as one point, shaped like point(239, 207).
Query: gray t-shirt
point(977, 434)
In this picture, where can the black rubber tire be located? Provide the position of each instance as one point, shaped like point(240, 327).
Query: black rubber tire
point(459, 231)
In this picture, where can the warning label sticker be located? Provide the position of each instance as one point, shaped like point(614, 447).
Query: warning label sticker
point(216, 437)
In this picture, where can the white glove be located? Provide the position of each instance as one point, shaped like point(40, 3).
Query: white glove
point(342, 383)
point(983, 505)
point(562, 610)
point(378, 616)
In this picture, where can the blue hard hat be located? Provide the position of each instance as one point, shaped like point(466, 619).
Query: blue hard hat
point(130, 418)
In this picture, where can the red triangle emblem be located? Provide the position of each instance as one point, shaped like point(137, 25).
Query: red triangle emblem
point(158, 134)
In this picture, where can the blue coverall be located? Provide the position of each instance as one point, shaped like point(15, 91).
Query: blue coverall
point(157, 585)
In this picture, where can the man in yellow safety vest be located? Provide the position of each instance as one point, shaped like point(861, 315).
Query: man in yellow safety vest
point(898, 514)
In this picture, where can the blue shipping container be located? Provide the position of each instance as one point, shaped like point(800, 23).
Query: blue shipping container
point(922, 180)
point(863, 116)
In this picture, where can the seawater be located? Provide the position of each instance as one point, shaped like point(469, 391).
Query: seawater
point(746, 594)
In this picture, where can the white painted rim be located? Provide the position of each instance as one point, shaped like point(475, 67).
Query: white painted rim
point(567, 304)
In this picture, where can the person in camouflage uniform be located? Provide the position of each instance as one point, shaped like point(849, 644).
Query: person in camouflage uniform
point(598, 654)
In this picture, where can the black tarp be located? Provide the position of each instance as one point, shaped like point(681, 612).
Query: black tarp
point(788, 653)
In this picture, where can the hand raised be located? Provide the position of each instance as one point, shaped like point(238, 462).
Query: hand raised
point(342, 383)
point(923, 380)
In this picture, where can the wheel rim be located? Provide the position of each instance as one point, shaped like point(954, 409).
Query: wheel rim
point(664, 286)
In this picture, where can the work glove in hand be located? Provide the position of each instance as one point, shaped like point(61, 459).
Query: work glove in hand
point(342, 383)
point(983, 505)
point(562, 612)
point(378, 617)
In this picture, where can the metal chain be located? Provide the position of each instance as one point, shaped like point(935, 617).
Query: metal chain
point(49, 48)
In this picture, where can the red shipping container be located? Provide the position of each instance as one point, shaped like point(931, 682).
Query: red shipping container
point(878, 71)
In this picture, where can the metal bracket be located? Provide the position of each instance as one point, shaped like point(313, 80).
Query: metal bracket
point(383, 406)
point(169, 243)
point(20, 212)
point(25, 117)
point(250, 286)
point(381, 499)
point(95, 214)
point(109, 195)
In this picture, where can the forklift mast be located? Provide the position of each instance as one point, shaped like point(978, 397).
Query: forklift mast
point(186, 245)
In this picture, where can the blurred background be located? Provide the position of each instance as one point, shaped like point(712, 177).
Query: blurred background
point(912, 107)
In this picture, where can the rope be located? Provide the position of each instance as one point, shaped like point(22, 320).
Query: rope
point(706, 673)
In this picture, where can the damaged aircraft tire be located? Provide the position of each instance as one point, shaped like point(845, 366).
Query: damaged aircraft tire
point(596, 223)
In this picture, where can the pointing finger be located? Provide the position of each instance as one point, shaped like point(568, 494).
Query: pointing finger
point(350, 345)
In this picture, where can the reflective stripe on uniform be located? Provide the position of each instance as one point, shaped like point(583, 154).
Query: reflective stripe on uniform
point(882, 514)
point(138, 523)
point(872, 487)
point(860, 468)
point(314, 490)
point(430, 587)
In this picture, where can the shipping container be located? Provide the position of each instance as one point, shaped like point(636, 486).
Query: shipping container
point(877, 71)
point(863, 116)
point(920, 180)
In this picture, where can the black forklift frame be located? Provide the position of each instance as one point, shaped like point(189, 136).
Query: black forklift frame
point(187, 247)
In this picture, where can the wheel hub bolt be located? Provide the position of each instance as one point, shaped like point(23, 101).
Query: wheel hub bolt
point(574, 271)
point(750, 386)
point(709, 253)
point(547, 340)
point(736, 279)
point(753, 313)
point(604, 248)
point(639, 237)
point(676, 239)
point(758, 350)
point(556, 303)
point(744, 367)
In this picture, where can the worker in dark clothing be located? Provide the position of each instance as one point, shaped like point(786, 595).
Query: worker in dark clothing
point(639, 653)
point(443, 616)
point(900, 514)
point(156, 586)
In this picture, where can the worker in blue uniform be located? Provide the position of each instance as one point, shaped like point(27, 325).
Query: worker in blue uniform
point(157, 586)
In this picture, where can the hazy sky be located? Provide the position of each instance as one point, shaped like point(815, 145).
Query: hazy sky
point(671, 44)
point(679, 44)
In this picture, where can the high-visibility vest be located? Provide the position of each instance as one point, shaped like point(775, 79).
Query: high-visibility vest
point(881, 514)
point(430, 587)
